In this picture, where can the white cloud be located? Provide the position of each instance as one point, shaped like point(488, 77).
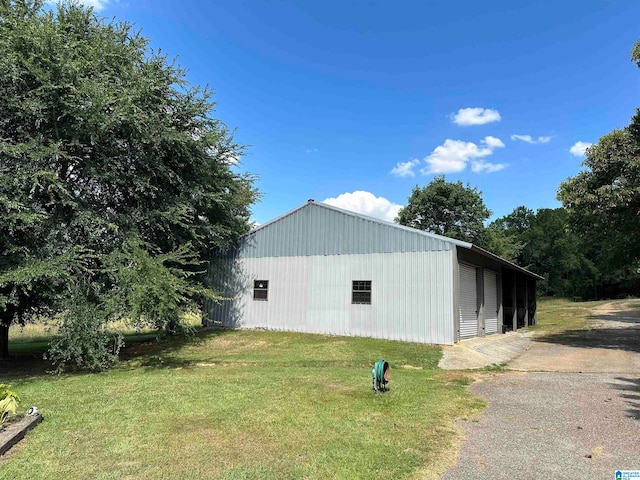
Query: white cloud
point(480, 166)
point(311, 150)
point(229, 157)
point(454, 155)
point(493, 142)
point(578, 148)
point(405, 169)
point(366, 203)
point(524, 138)
point(232, 159)
point(475, 116)
point(530, 139)
point(98, 5)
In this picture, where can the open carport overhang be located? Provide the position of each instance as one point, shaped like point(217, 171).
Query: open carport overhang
point(519, 303)
point(505, 263)
point(518, 285)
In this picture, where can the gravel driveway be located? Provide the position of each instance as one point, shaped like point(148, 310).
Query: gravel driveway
point(561, 424)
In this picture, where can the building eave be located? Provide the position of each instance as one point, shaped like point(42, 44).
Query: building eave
point(506, 263)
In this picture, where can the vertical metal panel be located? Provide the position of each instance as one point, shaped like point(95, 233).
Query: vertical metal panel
point(490, 302)
point(468, 302)
point(455, 305)
point(411, 296)
point(480, 296)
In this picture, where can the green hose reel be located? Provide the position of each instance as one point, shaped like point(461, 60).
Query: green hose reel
point(380, 376)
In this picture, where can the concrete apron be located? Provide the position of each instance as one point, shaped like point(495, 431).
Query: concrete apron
point(484, 351)
point(521, 352)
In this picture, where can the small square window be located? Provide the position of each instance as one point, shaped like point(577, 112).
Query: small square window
point(261, 289)
point(361, 292)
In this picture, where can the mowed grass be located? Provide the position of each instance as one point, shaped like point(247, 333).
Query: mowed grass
point(245, 404)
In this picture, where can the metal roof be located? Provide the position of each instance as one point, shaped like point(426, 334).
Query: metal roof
point(289, 235)
point(362, 217)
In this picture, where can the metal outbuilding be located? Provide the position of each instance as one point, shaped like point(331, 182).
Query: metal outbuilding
point(321, 269)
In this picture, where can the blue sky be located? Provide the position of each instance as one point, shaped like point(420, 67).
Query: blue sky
point(361, 101)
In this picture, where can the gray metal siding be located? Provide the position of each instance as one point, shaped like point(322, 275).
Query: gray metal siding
point(455, 304)
point(319, 230)
point(468, 302)
point(412, 294)
point(490, 302)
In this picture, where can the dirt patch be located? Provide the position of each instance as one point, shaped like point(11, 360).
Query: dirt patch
point(225, 364)
point(457, 378)
point(617, 315)
point(627, 306)
point(611, 344)
point(340, 387)
point(552, 357)
point(235, 345)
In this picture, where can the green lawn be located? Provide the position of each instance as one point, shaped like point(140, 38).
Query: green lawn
point(244, 404)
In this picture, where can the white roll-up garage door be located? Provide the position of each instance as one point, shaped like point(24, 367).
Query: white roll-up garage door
point(490, 302)
point(468, 302)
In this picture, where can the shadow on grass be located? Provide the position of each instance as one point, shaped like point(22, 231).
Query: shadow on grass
point(631, 387)
point(627, 339)
point(146, 350)
point(160, 352)
point(623, 334)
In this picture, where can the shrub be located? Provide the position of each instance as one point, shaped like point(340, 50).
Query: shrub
point(84, 340)
point(8, 402)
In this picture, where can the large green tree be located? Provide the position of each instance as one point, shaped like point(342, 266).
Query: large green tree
point(504, 236)
point(447, 208)
point(604, 198)
point(517, 222)
point(116, 182)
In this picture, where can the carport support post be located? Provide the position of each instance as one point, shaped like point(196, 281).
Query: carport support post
point(500, 309)
point(535, 303)
point(526, 301)
point(514, 317)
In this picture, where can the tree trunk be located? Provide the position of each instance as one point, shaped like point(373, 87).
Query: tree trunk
point(4, 341)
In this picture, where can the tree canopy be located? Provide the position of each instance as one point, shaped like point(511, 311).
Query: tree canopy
point(447, 208)
point(112, 168)
point(604, 199)
point(549, 247)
